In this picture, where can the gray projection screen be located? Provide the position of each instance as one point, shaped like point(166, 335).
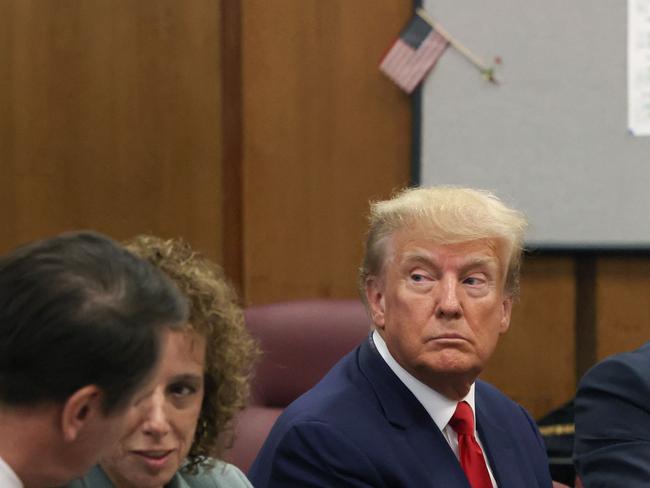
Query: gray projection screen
point(551, 138)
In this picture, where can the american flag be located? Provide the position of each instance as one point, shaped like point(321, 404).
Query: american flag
point(413, 54)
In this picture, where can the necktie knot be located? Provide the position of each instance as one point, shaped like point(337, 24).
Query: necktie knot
point(463, 419)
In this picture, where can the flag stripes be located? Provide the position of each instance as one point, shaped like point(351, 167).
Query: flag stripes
point(407, 66)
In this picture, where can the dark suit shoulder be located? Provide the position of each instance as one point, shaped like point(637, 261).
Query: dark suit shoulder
point(612, 414)
point(491, 392)
point(504, 411)
point(336, 403)
point(625, 373)
point(496, 404)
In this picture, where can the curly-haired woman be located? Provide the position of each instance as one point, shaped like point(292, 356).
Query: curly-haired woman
point(179, 425)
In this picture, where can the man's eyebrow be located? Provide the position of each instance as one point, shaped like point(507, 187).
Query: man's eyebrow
point(480, 261)
point(419, 257)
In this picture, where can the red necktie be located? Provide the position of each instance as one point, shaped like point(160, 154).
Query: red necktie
point(471, 456)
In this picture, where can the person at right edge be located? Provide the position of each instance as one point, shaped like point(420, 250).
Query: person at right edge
point(406, 408)
point(612, 422)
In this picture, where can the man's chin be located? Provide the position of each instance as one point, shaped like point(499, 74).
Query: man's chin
point(455, 359)
point(451, 367)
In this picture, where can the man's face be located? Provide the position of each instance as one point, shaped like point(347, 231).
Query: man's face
point(440, 308)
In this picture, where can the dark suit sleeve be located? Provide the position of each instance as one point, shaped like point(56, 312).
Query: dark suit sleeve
point(313, 454)
point(612, 440)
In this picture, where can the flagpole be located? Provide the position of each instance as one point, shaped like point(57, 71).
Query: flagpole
point(485, 70)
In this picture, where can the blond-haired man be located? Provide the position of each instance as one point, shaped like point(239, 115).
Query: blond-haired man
point(406, 408)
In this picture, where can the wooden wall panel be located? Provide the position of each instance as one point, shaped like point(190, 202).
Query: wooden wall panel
point(324, 132)
point(110, 119)
point(535, 361)
point(623, 304)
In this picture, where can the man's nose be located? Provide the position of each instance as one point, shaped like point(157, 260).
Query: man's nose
point(448, 305)
point(155, 422)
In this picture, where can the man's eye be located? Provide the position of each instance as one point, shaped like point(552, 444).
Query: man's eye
point(418, 278)
point(474, 281)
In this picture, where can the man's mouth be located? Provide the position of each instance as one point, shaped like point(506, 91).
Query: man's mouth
point(450, 336)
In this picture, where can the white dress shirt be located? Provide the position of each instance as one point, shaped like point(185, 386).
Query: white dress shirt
point(8, 479)
point(439, 407)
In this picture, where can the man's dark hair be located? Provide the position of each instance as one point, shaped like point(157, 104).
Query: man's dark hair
point(78, 309)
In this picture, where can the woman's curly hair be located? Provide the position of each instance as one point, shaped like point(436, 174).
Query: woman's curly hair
point(231, 352)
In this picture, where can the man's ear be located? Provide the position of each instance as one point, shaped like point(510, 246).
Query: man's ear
point(82, 406)
point(506, 313)
point(376, 302)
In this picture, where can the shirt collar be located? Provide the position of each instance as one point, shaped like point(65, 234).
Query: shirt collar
point(9, 476)
point(438, 406)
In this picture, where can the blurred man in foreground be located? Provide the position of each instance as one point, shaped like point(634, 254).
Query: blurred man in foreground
point(612, 417)
point(405, 408)
point(81, 320)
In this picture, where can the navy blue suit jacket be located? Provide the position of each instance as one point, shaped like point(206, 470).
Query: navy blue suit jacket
point(361, 427)
point(612, 417)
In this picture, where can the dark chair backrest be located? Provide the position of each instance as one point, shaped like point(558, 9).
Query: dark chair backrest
point(300, 342)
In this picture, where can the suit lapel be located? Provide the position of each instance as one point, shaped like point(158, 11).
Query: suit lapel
point(498, 446)
point(435, 455)
point(410, 420)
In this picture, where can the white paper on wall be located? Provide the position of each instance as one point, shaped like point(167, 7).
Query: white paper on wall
point(638, 67)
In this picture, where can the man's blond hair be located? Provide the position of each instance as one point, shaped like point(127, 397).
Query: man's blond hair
point(451, 215)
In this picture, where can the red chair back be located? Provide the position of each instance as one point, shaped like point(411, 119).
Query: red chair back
point(300, 343)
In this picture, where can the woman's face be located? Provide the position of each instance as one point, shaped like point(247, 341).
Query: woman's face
point(163, 419)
